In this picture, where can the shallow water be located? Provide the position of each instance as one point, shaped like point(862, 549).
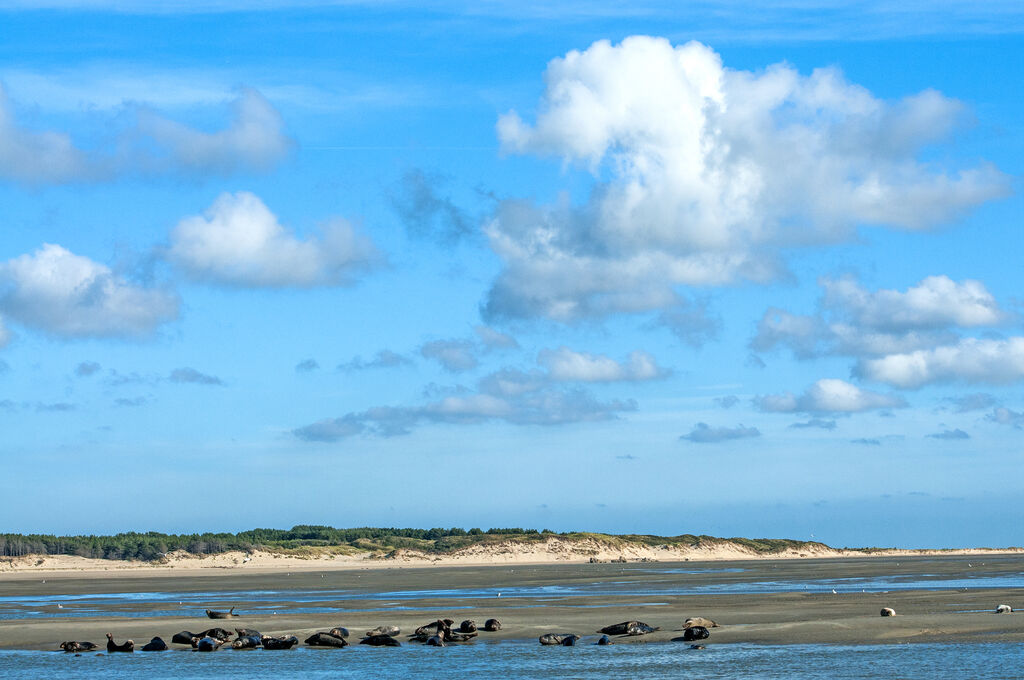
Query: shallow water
point(324, 600)
point(653, 661)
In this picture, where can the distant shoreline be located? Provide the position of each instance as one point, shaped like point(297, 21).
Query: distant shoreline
point(553, 550)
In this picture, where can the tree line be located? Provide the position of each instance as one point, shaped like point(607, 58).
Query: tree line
point(153, 545)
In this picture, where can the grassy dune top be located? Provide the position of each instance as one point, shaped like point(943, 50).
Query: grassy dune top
point(310, 539)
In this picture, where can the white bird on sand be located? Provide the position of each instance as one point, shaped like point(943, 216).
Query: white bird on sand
point(60, 606)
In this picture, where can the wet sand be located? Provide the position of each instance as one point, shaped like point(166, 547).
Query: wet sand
point(941, 614)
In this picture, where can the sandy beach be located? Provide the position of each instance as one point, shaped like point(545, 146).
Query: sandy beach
point(948, 614)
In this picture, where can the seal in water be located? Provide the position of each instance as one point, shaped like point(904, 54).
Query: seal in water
point(380, 640)
point(604, 640)
point(155, 645)
point(570, 640)
point(112, 646)
point(492, 625)
point(230, 614)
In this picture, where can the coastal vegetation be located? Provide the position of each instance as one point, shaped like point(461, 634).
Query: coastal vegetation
point(314, 539)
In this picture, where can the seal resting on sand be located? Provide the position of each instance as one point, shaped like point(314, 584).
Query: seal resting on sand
point(206, 644)
point(380, 640)
point(558, 639)
point(338, 631)
point(628, 628)
point(492, 625)
point(184, 637)
point(887, 611)
point(155, 645)
point(695, 633)
point(699, 621)
point(282, 642)
point(230, 614)
point(1004, 609)
point(247, 642)
point(73, 646)
point(467, 626)
point(435, 641)
point(112, 646)
point(384, 630)
point(326, 640)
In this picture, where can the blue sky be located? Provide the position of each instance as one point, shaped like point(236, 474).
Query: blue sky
point(738, 268)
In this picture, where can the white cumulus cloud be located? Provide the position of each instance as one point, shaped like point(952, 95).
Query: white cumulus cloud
point(829, 395)
point(936, 301)
point(69, 295)
point(704, 173)
point(564, 364)
point(972, 360)
point(239, 242)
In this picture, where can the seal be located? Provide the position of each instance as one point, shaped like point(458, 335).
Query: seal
point(435, 641)
point(467, 626)
point(384, 630)
point(1004, 609)
point(222, 634)
point(282, 642)
point(155, 645)
point(699, 621)
point(326, 640)
point(247, 642)
point(380, 640)
point(74, 646)
point(558, 639)
point(184, 637)
point(230, 614)
point(604, 640)
point(206, 644)
point(628, 628)
point(247, 632)
point(695, 633)
point(887, 611)
point(570, 640)
point(338, 631)
point(127, 646)
point(492, 625)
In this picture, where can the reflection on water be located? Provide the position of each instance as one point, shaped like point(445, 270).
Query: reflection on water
point(514, 660)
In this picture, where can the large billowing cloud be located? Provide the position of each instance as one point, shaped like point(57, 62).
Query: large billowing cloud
point(239, 242)
point(564, 364)
point(71, 296)
point(254, 140)
point(704, 173)
point(857, 322)
point(829, 396)
point(971, 360)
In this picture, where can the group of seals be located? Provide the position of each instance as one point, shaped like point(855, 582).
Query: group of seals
point(77, 647)
point(440, 632)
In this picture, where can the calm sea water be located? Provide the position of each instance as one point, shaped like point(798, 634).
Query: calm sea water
point(511, 660)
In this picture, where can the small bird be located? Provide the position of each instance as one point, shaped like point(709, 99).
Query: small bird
point(834, 592)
